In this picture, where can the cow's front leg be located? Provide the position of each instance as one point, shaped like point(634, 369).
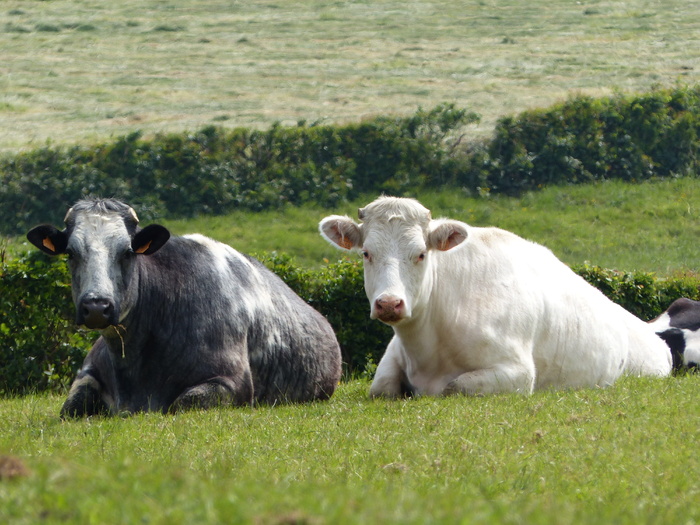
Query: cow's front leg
point(85, 398)
point(217, 391)
point(390, 377)
point(497, 379)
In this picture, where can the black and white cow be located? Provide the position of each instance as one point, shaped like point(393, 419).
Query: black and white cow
point(186, 321)
point(679, 326)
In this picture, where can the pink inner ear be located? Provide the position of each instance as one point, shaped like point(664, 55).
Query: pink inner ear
point(344, 242)
point(451, 241)
point(340, 238)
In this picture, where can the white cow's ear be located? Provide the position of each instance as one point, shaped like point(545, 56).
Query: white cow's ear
point(446, 234)
point(341, 231)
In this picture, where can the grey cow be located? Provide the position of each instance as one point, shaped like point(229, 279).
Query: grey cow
point(186, 321)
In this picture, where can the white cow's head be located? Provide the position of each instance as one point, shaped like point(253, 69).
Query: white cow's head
point(396, 239)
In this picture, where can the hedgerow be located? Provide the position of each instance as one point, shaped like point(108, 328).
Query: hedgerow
point(214, 170)
point(585, 139)
point(41, 349)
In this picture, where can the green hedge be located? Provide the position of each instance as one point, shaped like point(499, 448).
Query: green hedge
point(585, 139)
point(216, 170)
point(41, 349)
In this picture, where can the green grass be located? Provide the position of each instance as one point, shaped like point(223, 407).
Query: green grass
point(652, 226)
point(74, 70)
point(621, 455)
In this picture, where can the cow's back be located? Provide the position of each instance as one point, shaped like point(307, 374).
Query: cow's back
point(206, 310)
point(577, 337)
point(293, 352)
point(291, 349)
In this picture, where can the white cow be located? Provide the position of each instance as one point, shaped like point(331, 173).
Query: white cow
point(481, 310)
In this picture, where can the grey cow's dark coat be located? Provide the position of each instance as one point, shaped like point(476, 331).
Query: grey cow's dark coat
point(200, 325)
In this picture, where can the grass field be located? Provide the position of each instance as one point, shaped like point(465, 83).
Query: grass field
point(651, 227)
point(621, 455)
point(74, 70)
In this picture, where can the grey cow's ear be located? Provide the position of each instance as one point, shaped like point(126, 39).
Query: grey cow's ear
point(341, 231)
point(48, 239)
point(445, 234)
point(150, 239)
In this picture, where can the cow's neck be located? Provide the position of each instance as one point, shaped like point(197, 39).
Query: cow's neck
point(121, 340)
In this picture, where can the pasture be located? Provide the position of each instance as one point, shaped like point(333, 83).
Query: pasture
point(651, 226)
point(619, 455)
point(75, 71)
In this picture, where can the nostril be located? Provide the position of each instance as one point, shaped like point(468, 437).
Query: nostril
point(96, 312)
point(389, 304)
point(95, 305)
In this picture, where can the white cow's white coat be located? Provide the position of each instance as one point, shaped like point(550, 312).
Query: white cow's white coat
point(481, 310)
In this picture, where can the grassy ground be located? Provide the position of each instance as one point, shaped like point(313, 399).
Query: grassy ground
point(652, 226)
point(74, 70)
point(621, 455)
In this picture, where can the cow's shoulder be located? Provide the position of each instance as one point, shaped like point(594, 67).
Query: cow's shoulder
point(503, 244)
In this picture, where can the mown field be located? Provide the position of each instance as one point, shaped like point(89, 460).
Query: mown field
point(74, 70)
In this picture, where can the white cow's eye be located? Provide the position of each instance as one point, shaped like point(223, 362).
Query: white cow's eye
point(421, 256)
point(365, 254)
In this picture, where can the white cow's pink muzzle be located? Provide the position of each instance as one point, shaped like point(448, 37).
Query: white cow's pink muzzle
point(389, 309)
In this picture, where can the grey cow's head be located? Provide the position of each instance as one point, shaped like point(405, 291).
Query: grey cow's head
point(102, 240)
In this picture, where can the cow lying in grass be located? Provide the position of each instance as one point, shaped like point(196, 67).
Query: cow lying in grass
point(481, 310)
point(679, 326)
point(186, 321)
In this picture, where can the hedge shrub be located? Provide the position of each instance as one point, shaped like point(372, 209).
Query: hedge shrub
point(41, 349)
point(215, 170)
point(584, 139)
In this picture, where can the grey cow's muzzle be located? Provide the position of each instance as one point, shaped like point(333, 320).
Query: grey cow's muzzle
point(96, 312)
